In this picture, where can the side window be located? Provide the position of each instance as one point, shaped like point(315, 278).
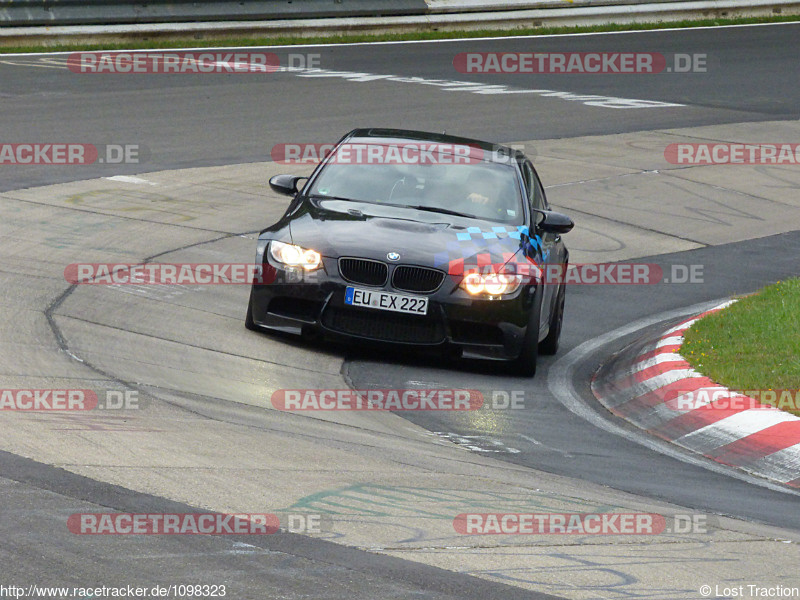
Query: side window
point(539, 199)
point(533, 190)
point(528, 177)
point(534, 187)
point(536, 197)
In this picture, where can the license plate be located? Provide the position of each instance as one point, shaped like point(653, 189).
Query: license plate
point(414, 305)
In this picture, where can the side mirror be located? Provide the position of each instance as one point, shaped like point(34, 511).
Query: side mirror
point(555, 222)
point(285, 184)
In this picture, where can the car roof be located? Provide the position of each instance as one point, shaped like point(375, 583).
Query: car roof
point(493, 152)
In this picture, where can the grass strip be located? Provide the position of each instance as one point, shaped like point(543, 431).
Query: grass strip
point(754, 344)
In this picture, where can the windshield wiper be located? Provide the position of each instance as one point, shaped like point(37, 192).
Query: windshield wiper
point(444, 211)
point(436, 209)
point(324, 197)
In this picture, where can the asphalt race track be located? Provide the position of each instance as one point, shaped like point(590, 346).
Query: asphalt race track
point(205, 437)
point(188, 122)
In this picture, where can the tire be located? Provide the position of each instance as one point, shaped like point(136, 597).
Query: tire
point(525, 363)
point(248, 319)
point(549, 345)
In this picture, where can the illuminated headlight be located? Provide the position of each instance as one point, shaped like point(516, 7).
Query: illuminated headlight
point(491, 284)
point(294, 256)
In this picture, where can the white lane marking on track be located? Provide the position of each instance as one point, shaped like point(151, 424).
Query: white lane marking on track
point(39, 64)
point(536, 442)
point(559, 381)
point(130, 179)
point(476, 443)
point(472, 87)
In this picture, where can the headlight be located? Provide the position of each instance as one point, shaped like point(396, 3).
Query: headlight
point(294, 256)
point(491, 284)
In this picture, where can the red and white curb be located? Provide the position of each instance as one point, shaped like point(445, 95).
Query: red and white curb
point(656, 389)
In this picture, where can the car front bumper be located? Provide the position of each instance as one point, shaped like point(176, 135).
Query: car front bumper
point(479, 328)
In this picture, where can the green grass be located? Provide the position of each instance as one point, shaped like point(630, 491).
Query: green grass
point(754, 344)
point(190, 40)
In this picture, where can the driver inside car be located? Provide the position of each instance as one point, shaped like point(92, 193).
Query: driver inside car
point(483, 197)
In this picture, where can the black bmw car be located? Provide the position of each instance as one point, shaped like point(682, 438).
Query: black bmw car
point(416, 238)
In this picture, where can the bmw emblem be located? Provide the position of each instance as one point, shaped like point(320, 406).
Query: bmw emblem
point(393, 256)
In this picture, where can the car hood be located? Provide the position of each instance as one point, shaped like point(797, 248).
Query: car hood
point(337, 228)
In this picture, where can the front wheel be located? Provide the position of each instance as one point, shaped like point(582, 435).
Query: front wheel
point(525, 363)
point(549, 345)
point(248, 319)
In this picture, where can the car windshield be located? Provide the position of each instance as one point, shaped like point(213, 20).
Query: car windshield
point(424, 176)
